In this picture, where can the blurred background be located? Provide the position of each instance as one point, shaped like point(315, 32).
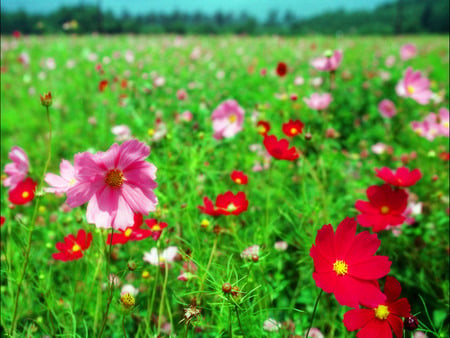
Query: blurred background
point(251, 17)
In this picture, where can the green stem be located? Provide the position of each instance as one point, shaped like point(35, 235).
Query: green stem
point(314, 313)
point(161, 304)
point(213, 250)
point(32, 225)
point(239, 320)
point(110, 284)
point(123, 326)
point(229, 319)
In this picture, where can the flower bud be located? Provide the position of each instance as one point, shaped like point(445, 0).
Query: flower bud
point(308, 136)
point(46, 100)
point(131, 265)
point(411, 323)
point(127, 301)
point(226, 287)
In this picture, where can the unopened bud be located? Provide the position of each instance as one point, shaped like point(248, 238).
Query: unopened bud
point(226, 287)
point(308, 136)
point(411, 323)
point(46, 100)
point(131, 265)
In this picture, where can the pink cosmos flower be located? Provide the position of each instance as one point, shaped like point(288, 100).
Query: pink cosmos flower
point(182, 94)
point(415, 86)
point(387, 108)
point(443, 119)
point(381, 148)
point(116, 184)
point(154, 257)
point(329, 62)
point(60, 184)
point(251, 253)
point(434, 125)
point(18, 169)
point(408, 51)
point(228, 119)
point(318, 101)
point(271, 325)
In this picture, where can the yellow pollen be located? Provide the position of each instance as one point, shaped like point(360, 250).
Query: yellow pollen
point(262, 130)
point(127, 300)
point(384, 209)
point(76, 248)
point(72, 182)
point(25, 194)
point(382, 312)
point(114, 178)
point(128, 232)
point(156, 227)
point(150, 132)
point(238, 180)
point(293, 131)
point(231, 207)
point(232, 118)
point(340, 267)
point(204, 223)
point(410, 89)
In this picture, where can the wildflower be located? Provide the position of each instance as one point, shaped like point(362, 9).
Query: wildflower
point(329, 62)
point(190, 313)
point(443, 120)
point(380, 319)
point(281, 69)
point(411, 323)
point(315, 333)
point(415, 86)
point(127, 300)
point(187, 271)
point(239, 177)
point(133, 233)
point(345, 266)
point(251, 253)
point(263, 127)
point(318, 101)
point(226, 204)
point(156, 227)
point(130, 289)
point(18, 169)
point(228, 119)
point(385, 207)
point(73, 248)
point(122, 132)
point(293, 128)
point(46, 100)
point(281, 246)
point(387, 108)
point(402, 177)
point(116, 183)
point(159, 259)
point(408, 51)
point(23, 192)
point(279, 148)
point(271, 325)
point(182, 94)
point(60, 184)
point(381, 148)
point(102, 85)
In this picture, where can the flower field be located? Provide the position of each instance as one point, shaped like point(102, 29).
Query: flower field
point(224, 186)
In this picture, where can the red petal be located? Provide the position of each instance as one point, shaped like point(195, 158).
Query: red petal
point(344, 237)
point(392, 288)
point(357, 318)
point(400, 308)
point(396, 324)
point(373, 268)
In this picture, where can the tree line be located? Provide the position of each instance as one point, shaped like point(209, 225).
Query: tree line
point(399, 17)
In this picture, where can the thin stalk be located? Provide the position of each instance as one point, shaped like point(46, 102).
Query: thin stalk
point(32, 226)
point(239, 320)
point(161, 304)
point(213, 250)
point(314, 313)
point(123, 326)
point(110, 284)
point(229, 319)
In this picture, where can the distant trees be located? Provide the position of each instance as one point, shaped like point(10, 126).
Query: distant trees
point(399, 17)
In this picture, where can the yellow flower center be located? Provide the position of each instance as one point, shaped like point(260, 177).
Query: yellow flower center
point(114, 178)
point(150, 132)
point(145, 274)
point(238, 180)
point(231, 207)
point(72, 182)
point(128, 232)
point(25, 194)
point(340, 267)
point(127, 300)
point(76, 248)
point(232, 118)
point(384, 209)
point(204, 223)
point(293, 131)
point(445, 124)
point(262, 130)
point(156, 227)
point(410, 89)
point(382, 312)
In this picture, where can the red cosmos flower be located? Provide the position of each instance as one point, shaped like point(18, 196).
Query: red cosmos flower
point(379, 320)
point(23, 192)
point(133, 233)
point(279, 149)
point(293, 128)
point(263, 127)
point(73, 248)
point(102, 85)
point(2, 219)
point(17, 34)
point(402, 177)
point(226, 204)
point(444, 156)
point(385, 207)
point(156, 227)
point(239, 177)
point(281, 69)
point(344, 264)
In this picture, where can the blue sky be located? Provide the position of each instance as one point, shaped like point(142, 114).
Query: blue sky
point(257, 8)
